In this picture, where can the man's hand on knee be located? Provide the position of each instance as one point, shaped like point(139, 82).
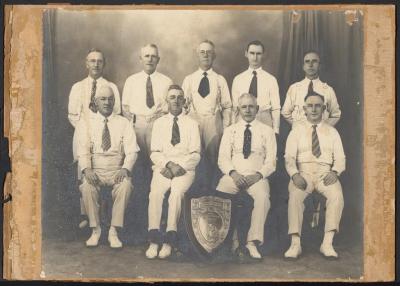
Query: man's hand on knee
point(252, 179)
point(167, 173)
point(330, 178)
point(91, 176)
point(299, 181)
point(176, 169)
point(239, 179)
point(121, 175)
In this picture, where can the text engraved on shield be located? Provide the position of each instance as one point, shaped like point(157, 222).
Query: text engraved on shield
point(211, 217)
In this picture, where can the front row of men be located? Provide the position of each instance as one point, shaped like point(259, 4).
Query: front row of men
point(107, 150)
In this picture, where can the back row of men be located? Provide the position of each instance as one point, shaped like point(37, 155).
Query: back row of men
point(106, 145)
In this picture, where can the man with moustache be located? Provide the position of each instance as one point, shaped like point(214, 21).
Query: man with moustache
point(261, 85)
point(175, 153)
point(209, 102)
point(247, 157)
point(143, 97)
point(314, 160)
point(292, 109)
point(81, 98)
point(107, 151)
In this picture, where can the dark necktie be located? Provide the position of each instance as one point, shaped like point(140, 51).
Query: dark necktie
point(247, 142)
point(176, 137)
point(105, 138)
point(316, 150)
point(310, 87)
point(92, 104)
point(253, 84)
point(149, 93)
point(204, 86)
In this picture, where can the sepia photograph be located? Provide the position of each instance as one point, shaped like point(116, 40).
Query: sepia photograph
point(202, 144)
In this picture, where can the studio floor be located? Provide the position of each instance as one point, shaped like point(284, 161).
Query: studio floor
point(72, 260)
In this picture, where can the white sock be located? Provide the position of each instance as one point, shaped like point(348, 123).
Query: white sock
point(328, 237)
point(96, 229)
point(295, 239)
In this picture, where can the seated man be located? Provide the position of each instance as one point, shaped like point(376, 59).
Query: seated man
point(247, 157)
point(175, 152)
point(107, 151)
point(314, 160)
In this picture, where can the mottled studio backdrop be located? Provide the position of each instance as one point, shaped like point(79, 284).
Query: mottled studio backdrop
point(68, 35)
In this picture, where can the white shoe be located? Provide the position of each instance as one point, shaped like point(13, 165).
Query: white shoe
point(253, 251)
point(152, 251)
point(165, 251)
point(294, 251)
point(94, 238)
point(328, 251)
point(113, 239)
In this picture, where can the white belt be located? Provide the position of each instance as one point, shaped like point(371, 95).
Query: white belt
point(314, 167)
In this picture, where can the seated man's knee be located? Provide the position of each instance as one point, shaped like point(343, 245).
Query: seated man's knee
point(227, 185)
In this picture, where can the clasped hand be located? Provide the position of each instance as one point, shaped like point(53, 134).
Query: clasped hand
point(172, 170)
point(244, 182)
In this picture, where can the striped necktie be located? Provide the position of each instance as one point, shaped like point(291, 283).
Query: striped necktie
point(105, 138)
point(247, 142)
point(92, 104)
point(176, 138)
point(253, 85)
point(149, 93)
point(316, 150)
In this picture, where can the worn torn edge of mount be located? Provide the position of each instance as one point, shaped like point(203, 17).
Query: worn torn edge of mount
point(23, 117)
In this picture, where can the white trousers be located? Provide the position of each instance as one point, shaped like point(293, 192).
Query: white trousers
point(120, 195)
point(143, 129)
point(260, 194)
point(159, 186)
point(332, 193)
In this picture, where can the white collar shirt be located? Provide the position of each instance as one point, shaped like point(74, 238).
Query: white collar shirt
point(89, 137)
point(134, 93)
point(262, 158)
point(267, 89)
point(186, 153)
point(299, 148)
point(292, 109)
point(80, 96)
point(218, 98)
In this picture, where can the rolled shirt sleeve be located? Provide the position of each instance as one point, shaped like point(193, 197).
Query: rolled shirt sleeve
point(333, 108)
point(339, 158)
point(74, 105)
point(288, 106)
point(291, 154)
point(225, 152)
point(83, 145)
point(131, 147)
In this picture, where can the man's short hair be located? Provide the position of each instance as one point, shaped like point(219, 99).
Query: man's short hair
point(175, 86)
point(151, 45)
point(313, 93)
point(255, 43)
point(243, 95)
point(208, 42)
point(96, 50)
point(311, 51)
point(101, 86)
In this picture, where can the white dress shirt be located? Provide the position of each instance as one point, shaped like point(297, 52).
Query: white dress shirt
point(292, 109)
point(89, 137)
point(186, 153)
point(80, 95)
point(218, 98)
point(299, 148)
point(262, 158)
point(134, 93)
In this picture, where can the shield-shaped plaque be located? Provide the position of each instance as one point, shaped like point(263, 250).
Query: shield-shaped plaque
point(209, 221)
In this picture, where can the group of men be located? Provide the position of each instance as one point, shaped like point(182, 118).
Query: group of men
point(173, 127)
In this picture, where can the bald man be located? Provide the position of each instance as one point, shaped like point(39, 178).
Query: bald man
point(247, 157)
point(144, 97)
point(209, 101)
point(107, 151)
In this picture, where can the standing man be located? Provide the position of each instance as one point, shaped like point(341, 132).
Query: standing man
point(143, 97)
point(314, 160)
point(292, 109)
point(107, 151)
point(209, 102)
point(175, 154)
point(261, 85)
point(247, 157)
point(81, 99)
